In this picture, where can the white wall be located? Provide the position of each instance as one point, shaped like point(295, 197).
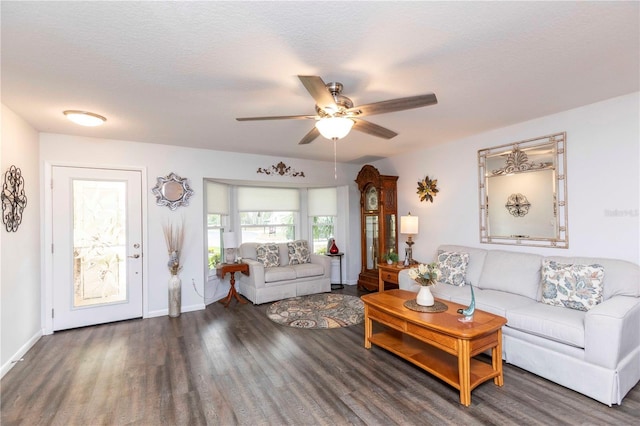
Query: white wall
point(20, 324)
point(603, 163)
point(196, 165)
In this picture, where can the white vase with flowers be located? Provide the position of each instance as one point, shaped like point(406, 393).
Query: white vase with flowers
point(426, 275)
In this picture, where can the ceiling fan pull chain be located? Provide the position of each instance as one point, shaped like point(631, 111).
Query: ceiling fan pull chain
point(335, 167)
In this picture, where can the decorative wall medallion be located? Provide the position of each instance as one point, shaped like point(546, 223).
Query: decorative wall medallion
point(518, 205)
point(427, 189)
point(172, 191)
point(280, 169)
point(518, 161)
point(13, 199)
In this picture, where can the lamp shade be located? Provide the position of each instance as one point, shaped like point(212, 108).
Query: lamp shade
point(334, 127)
point(229, 240)
point(409, 224)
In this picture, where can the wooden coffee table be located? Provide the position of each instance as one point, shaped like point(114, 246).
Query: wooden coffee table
point(437, 342)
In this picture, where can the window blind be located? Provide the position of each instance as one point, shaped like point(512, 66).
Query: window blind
point(323, 201)
point(252, 199)
point(217, 198)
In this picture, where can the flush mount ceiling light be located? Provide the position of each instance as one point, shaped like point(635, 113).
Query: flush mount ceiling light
point(84, 118)
point(334, 127)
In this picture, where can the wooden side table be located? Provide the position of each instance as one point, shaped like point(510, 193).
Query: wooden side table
point(389, 273)
point(231, 268)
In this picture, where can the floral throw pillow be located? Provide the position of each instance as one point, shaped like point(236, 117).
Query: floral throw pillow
point(572, 286)
point(268, 255)
point(453, 267)
point(298, 252)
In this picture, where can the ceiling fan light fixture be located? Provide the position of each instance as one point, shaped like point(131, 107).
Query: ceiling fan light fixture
point(334, 128)
point(84, 118)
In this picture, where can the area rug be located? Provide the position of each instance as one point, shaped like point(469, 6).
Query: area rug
point(324, 310)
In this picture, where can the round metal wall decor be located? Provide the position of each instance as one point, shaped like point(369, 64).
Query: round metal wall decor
point(172, 191)
point(13, 199)
point(518, 205)
point(427, 189)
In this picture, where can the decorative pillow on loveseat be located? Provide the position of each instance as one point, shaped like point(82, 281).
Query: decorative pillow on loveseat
point(453, 267)
point(571, 285)
point(298, 252)
point(268, 255)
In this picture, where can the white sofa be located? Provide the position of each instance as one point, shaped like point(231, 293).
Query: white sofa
point(596, 353)
point(266, 284)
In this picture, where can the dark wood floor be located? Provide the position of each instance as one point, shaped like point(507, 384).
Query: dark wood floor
point(234, 366)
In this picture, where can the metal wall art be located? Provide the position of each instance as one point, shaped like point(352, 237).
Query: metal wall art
point(13, 199)
point(172, 191)
point(518, 205)
point(518, 161)
point(536, 167)
point(427, 189)
point(280, 169)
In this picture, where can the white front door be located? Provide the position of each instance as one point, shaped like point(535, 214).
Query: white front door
point(97, 246)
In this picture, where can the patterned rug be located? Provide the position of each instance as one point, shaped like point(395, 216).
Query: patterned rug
point(324, 310)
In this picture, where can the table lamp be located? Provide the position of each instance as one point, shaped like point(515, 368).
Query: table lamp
point(409, 226)
point(229, 242)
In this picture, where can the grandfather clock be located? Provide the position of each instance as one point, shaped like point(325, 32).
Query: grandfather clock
point(378, 222)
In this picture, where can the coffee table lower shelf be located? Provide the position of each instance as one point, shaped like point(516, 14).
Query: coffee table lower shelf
point(433, 360)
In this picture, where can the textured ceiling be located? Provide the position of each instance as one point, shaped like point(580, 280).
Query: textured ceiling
point(180, 72)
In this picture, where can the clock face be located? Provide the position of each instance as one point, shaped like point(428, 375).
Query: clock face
point(371, 200)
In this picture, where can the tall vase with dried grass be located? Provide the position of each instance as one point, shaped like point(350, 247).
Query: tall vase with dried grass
point(174, 237)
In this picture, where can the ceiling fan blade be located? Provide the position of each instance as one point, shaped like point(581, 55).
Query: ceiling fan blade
point(318, 91)
point(278, 117)
point(373, 129)
point(395, 105)
point(309, 137)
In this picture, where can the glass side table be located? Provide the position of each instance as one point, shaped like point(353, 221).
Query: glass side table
point(339, 255)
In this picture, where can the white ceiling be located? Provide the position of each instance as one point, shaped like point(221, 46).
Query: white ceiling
point(180, 72)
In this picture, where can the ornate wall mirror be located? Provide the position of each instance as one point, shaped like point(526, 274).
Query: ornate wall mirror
point(523, 193)
point(172, 191)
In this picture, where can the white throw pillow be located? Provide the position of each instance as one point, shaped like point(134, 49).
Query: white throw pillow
point(571, 285)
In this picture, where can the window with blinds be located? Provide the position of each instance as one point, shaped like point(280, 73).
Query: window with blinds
point(217, 219)
point(268, 214)
point(322, 212)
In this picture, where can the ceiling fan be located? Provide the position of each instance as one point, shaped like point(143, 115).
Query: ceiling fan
point(336, 114)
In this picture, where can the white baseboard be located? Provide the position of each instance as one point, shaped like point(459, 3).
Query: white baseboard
point(20, 353)
point(196, 307)
point(165, 312)
point(215, 290)
point(221, 293)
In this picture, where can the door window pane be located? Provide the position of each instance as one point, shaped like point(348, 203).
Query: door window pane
point(99, 242)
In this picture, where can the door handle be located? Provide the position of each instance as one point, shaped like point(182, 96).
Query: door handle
point(135, 256)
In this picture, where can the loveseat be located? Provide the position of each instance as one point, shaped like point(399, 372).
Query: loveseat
point(595, 352)
point(282, 270)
